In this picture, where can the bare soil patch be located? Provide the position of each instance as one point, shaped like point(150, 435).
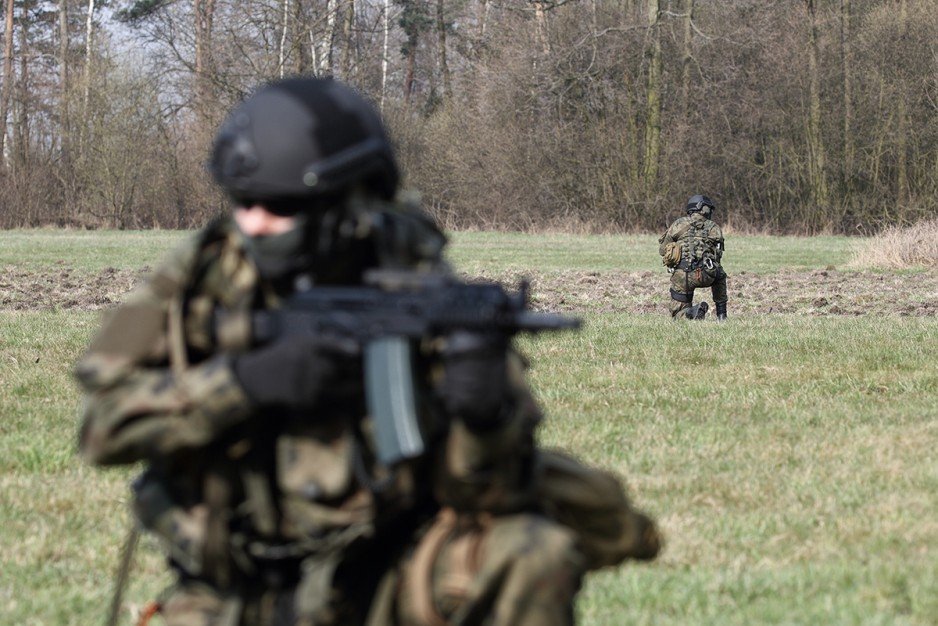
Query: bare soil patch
point(65, 288)
point(818, 293)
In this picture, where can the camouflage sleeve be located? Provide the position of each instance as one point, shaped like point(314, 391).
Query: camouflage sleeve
point(666, 238)
point(489, 470)
point(406, 236)
point(716, 235)
point(136, 404)
point(501, 471)
point(594, 504)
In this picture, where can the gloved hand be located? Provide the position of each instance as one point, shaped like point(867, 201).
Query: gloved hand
point(475, 378)
point(293, 371)
point(649, 540)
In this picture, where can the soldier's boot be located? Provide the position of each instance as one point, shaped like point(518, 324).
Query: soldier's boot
point(721, 311)
point(697, 312)
point(679, 309)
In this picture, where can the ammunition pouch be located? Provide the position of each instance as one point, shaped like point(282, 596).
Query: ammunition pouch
point(671, 256)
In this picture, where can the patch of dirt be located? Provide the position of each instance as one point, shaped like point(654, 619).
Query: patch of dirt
point(66, 288)
point(818, 292)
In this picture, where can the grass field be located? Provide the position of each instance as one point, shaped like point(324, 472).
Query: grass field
point(790, 459)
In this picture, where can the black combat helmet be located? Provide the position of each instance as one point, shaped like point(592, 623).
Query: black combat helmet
point(302, 138)
point(700, 203)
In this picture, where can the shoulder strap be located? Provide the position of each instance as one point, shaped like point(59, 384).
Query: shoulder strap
point(404, 235)
point(685, 228)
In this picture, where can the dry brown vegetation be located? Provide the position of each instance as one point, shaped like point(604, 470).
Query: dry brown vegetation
point(583, 115)
point(812, 293)
point(901, 247)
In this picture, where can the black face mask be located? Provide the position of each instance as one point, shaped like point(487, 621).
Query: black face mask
point(281, 256)
point(321, 248)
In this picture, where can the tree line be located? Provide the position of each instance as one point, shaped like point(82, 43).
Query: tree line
point(796, 116)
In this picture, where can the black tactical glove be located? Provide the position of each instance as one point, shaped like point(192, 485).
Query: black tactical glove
point(293, 371)
point(475, 382)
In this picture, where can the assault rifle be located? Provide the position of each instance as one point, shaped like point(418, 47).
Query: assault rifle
point(384, 316)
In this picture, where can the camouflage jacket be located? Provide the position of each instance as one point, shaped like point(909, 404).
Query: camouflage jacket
point(228, 485)
point(701, 239)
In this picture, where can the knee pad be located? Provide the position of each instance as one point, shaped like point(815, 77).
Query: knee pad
point(682, 297)
point(535, 545)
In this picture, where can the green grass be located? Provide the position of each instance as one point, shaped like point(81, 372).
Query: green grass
point(790, 460)
point(478, 252)
point(61, 522)
point(472, 252)
point(85, 250)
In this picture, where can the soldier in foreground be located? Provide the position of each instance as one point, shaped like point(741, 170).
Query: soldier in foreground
point(272, 481)
point(692, 249)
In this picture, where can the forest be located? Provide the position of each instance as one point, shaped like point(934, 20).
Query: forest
point(796, 116)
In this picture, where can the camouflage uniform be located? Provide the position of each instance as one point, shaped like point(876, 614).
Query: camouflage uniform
point(701, 248)
point(285, 517)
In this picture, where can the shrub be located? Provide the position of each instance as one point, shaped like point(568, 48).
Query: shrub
point(898, 248)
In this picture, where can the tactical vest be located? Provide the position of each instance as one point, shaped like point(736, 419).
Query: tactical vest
point(305, 487)
point(697, 247)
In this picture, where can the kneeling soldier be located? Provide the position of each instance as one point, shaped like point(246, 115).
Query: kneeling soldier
point(692, 249)
point(265, 479)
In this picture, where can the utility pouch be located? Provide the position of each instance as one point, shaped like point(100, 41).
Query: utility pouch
point(711, 267)
point(672, 254)
point(180, 529)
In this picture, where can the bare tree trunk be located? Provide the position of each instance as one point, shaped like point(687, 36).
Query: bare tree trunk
point(284, 30)
point(410, 74)
point(301, 52)
point(540, 18)
point(348, 39)
point(902, 111)
point(630, 138)
point(902, 146)
point(444, 66)
point(63, 77)
point(483, 18)
point(846, 52)
point(85, 113)
point(21, 128)
point(66, 171)
point(816, 157)
point(199, 89)
point(327, 42)
point(477, 38)
point(687, 19)
point(653, 99)
point(204, 15)
point(89, 42)
point(7, 80)
point(384, 56)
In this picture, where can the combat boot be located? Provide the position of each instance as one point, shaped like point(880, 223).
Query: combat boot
point(721, 311)
point(696, 312)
